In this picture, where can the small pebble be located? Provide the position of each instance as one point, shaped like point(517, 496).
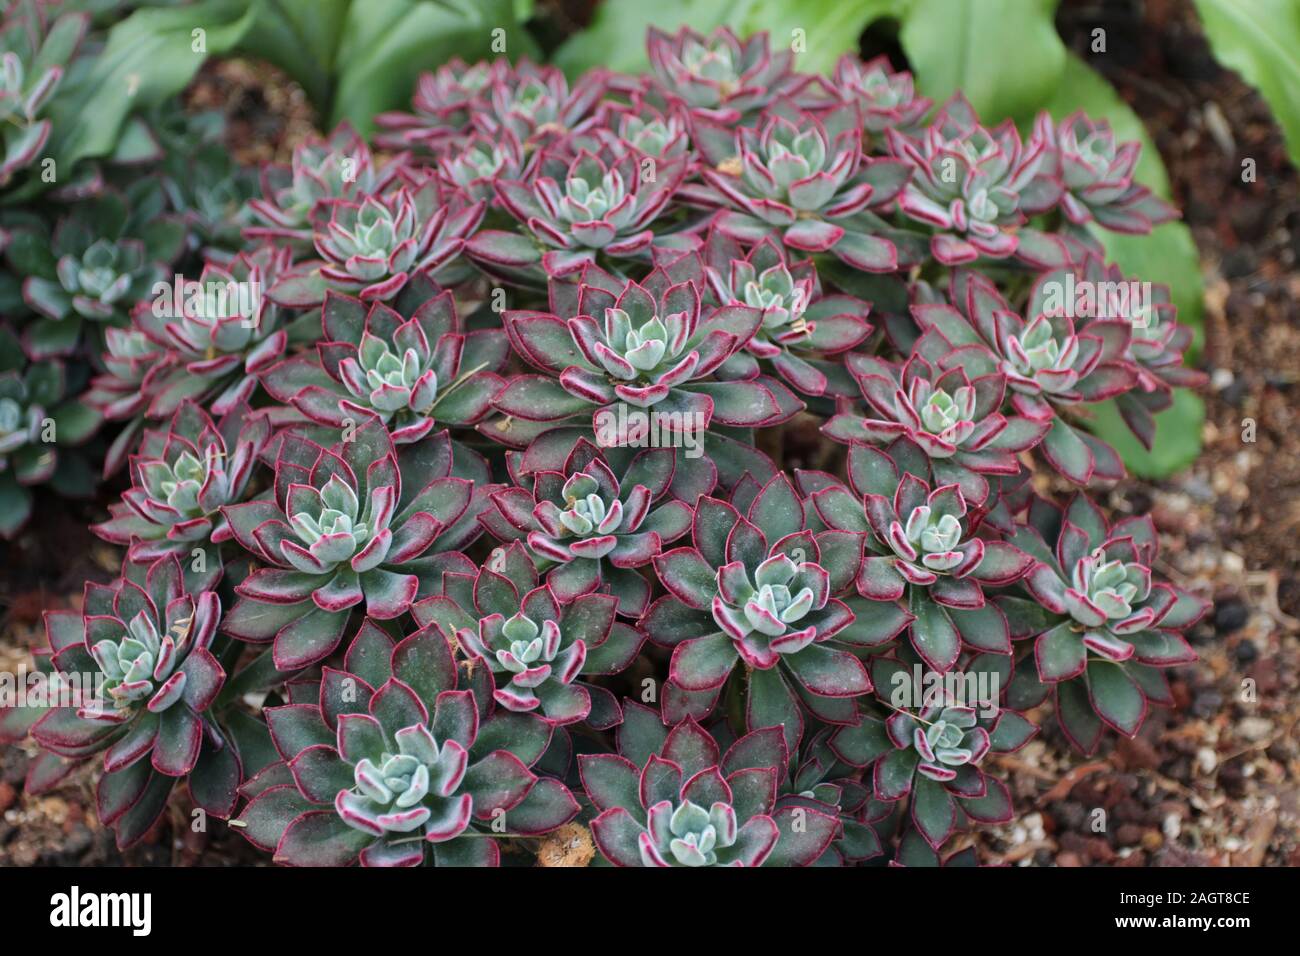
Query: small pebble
point(1230, 615)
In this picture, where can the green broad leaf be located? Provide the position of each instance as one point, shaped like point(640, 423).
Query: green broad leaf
point(149, 56)
point(302, 38)
point(1004, 55)
point(386, 44)
point(1258, 39)
point(827, 29)
point(1177, 441)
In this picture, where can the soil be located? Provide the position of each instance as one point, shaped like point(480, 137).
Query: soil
point(1211, 782)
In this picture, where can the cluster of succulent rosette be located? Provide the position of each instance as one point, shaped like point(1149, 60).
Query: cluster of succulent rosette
point(488, 510)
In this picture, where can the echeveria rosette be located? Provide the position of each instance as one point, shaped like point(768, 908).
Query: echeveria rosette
point(537, 649)
point(886, 99)
point(954, 419)
point(923, 550)
point(648, 345)
point(34, 57)
point(661, 133)
point(803, 330)
point(474, 166)
point(590, 530)
point(821, 781)
point(535, 102)
point(39, 424)
point(578, 207)
point(152, 643)
point(442, 106)
point(202, 180)
point(181, 478)
point(671, 797)
point(412, 374)
point(130, 359)
point(393, 765)
point(1111, 629)
point(527, 101)
point(932, 755)
point(106, 256)
point(734, 598)
point(804, 177)
point(967, 182)
point(372, 247)
point(1051, 365)
point(1093, 176)
point(217, 343)
point(340, 532)
point(1157, 345)
point(296, 198)
point(720, 75)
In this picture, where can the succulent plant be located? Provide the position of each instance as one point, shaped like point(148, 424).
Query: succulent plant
point(442, 106)
point(536, 647)
point(39, 425)
point(590, 530)
point(653, 347)
point(594, 202)
point(1051, 365)
point(821, 781)
point(1157, 344)
point(394, 760)
point(1110, 627)
point(181, 479)
point(1095, 176)
point(804, 177)
point(660, 133)
point(586, 318)
point(35, 54)
point(720, 74)
point(953, 418)
point(967, 181)
point(338, 533)
point(371, 248)
point(410, 373)
point(932, 754)
point(204, 183)
point(733, 597)
point(672, 798)
point(475, 166)
point(296, 199)
point(887, 99)
point(216, 332)
point(923, 549)
point(804, 329)
point(104, 257)
point(526, 101)
point(150, 641)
